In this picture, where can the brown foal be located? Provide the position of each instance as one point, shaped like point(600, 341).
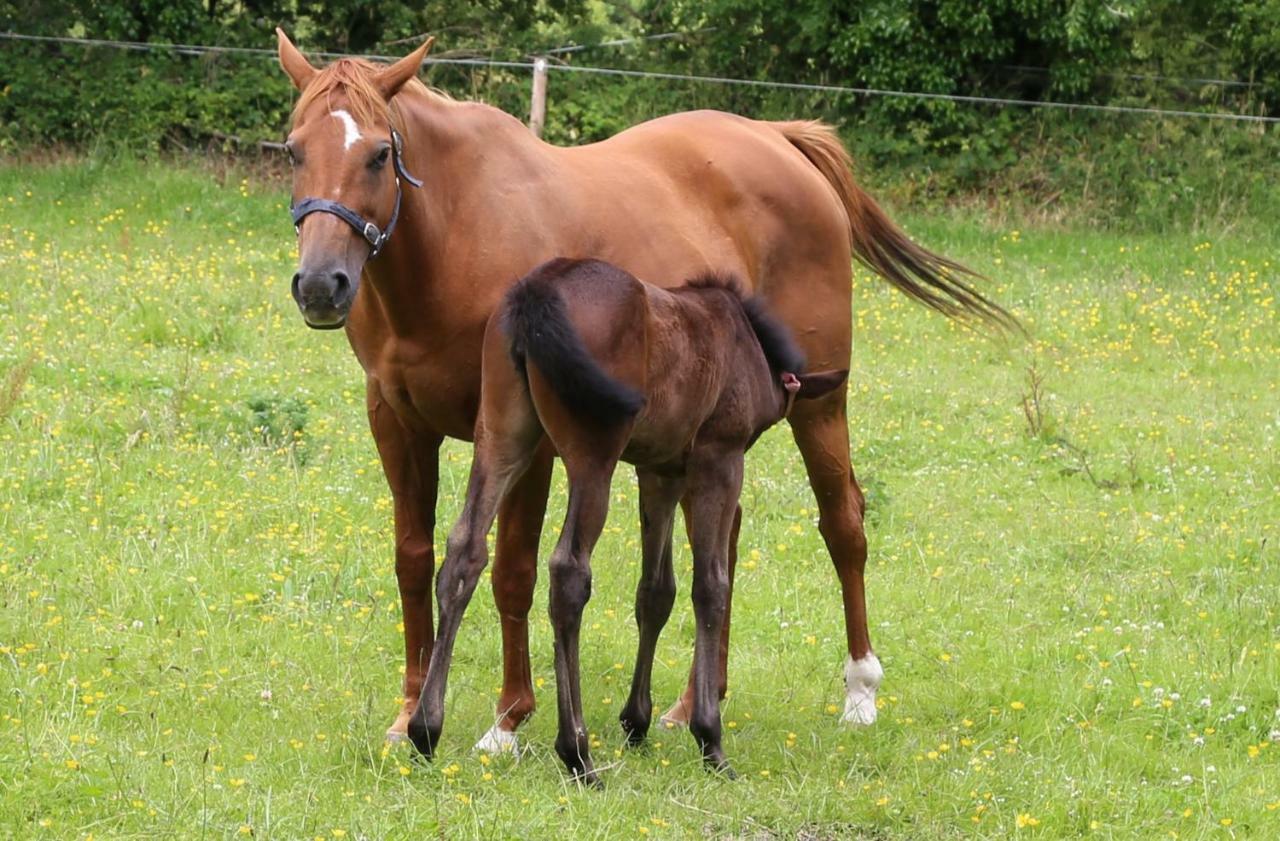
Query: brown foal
point(773, 203)
point(678, 382)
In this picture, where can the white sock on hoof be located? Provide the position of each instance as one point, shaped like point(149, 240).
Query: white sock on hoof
point(861, 680)
point(394, 736)
point(497, 740)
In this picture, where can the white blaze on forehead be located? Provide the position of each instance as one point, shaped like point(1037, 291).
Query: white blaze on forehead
point(349, 126)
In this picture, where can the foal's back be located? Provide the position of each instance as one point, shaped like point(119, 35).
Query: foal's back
point(689, 354)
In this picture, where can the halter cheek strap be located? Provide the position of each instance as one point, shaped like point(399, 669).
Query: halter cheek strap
point(375, 236)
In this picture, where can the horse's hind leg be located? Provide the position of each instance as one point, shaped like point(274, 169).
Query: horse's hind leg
point(821, 432)
point(655, 592)
point(515, 570)
point(501, 458)
point(570, 573)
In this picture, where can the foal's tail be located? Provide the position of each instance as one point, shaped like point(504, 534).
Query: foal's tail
point(539, 329)
point(930, 278)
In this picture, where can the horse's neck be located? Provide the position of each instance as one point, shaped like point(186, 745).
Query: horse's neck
point(453, 147)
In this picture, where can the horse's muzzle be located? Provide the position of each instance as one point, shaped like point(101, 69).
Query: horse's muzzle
point(324, 297)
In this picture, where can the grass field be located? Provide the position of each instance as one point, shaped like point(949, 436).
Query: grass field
point(1074, 582)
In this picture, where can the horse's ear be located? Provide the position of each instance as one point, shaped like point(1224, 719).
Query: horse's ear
point(390, 79)
point(294, 62)
point(819, 383)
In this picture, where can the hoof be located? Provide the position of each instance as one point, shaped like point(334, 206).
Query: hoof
point(399, 729)
point(634, 726)
point(862, 679)
point(677, 716)
point(724, 769)
point(497, 740)
point(423, 737)
point(588, 778)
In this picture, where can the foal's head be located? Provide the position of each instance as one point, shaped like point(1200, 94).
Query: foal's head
point(342, 148)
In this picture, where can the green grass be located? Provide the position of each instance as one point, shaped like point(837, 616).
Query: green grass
point(1077, 614)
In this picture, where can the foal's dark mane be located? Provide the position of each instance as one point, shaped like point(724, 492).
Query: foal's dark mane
point(780, 349)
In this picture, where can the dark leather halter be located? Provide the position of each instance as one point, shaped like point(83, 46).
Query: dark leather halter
point(376, 237)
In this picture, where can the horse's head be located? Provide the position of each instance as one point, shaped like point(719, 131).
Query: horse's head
point(344, 147)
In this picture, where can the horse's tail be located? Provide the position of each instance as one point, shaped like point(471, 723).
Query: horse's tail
point(930, 278)
point(539, 329)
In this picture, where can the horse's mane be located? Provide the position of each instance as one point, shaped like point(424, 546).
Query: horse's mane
point(354, 78)
point(775, 339)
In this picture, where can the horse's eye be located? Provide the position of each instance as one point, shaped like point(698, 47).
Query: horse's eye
point(379, 159)
point(294, 157)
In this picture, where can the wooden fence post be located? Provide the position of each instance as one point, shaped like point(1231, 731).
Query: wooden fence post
point(538, 105)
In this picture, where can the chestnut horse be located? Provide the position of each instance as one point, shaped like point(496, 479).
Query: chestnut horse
point(679, 383)
point(773, 203)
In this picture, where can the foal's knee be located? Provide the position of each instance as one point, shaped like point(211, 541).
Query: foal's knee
point(461, 569)
point(710, 592)
point(654, 599)
point(570, 586)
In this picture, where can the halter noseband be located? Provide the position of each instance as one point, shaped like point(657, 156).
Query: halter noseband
point(375, 237)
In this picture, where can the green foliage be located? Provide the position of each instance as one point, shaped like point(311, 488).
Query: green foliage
point(1106, 168)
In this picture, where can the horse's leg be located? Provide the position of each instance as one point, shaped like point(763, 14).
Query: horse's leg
point(411, 465)
point(515, 570)
point(570, 568)
point(655, 592)
point(715, 481)
point(678, 714)
point(821, 432)
point(497, 464)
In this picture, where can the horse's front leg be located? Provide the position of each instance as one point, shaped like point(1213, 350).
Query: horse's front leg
point(515, 570)
point(678, 714)
point(715, 482)
point(497, 465)
point(411, 464)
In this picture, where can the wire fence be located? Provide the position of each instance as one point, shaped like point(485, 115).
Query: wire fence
point(561, 67)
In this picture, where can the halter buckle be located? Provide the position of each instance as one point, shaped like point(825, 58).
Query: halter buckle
point(371, 233)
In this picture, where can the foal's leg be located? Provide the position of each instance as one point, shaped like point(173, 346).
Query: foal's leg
point(411, 465)
point(679, 712)
point(821, 432)
point(497, 464)
point(655, 592)
point(715, 481)
point(570, 589)
point(515, 570)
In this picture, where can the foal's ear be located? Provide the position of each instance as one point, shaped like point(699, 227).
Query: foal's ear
point(390, 79)
point(819, 383)
point(294, 63)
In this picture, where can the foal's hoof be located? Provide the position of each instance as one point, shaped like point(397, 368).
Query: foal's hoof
point(589, 779)
point(723, 768)
point(497, 740)
point(424, 737)
point(635, 727)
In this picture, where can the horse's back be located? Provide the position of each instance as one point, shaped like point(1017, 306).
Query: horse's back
point(726, 192)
